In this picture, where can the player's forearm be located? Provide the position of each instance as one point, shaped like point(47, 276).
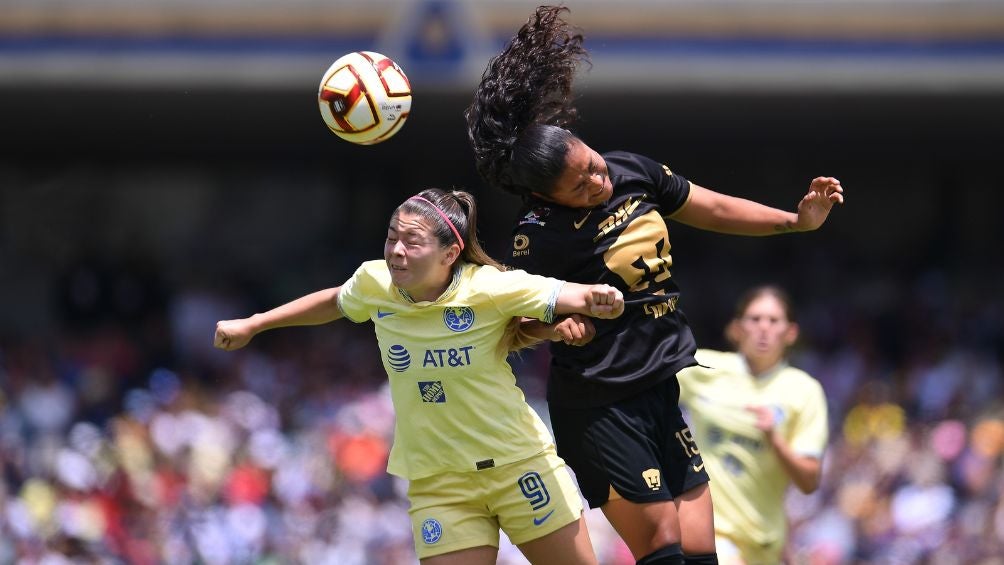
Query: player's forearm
point(572, 299)
point(738, 216)
point(712, 211)
point(805, 474)
point(538, 330)
point(804, 471)
point(745, 217)
point(313, 309)
point(597, 301)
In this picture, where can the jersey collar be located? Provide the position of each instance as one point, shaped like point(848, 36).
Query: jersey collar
point(454, 282)
point(766, 375)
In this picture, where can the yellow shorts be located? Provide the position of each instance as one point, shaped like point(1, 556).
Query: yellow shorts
point(459, 510)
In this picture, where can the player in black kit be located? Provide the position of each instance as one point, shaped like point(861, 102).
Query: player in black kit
point(601, 219)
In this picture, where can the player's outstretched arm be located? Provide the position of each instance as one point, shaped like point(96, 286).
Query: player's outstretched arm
point(596, 300)
point(713, 211)
point(313, 309)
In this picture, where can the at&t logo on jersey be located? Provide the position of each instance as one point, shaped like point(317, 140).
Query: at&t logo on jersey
point(398, 358)
point(432, 531)
point(452, 357)
point(458, 318)
point(432, 391)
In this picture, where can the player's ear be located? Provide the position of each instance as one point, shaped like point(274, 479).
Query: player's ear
point(452, 254)
point(791, 334)
point(732, 332)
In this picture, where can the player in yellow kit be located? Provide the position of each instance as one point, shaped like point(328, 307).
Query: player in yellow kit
point(761, 425)
point(477, 456)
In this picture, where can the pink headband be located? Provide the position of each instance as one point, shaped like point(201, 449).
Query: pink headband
point(443, 215)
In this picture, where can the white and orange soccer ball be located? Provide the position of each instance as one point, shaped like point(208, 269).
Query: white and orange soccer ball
point(364, 97)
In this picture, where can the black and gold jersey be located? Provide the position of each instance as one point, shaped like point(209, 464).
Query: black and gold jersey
point(624, 243)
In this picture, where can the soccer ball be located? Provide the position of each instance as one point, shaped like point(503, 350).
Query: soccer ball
point(364, 97)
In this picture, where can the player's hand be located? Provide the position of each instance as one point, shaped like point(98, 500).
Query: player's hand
point(766, 417)
point(815, 206)
point(233, 334)
point(574, 330)
point(605, 301)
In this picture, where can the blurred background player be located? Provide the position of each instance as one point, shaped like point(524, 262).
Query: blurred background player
point(761, 425)
point(477, 456)
point(593, 217)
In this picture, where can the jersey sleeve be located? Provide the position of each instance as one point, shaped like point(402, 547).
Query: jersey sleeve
point(670, 190)
point(811, 430)
point(518, 293)
point(351, 297)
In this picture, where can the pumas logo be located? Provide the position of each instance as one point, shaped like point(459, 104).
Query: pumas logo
point(653, 478)
point(458, 318)
point(398, 358)
point(432, 391)
point(432, 531)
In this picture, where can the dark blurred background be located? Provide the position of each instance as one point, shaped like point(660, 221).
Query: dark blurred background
point(164, 165)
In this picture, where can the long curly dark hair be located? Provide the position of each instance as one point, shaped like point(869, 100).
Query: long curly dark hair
point(517, 121)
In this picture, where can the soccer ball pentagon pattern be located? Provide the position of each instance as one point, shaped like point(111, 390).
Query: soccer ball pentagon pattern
point(364, 97)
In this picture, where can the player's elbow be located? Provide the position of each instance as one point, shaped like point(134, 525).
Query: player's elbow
point(808, 475)
point(808, 485)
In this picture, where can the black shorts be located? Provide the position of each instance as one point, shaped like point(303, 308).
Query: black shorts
point(640, 446)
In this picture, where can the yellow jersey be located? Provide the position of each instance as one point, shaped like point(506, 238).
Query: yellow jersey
point(455, 396)
point(747, 481)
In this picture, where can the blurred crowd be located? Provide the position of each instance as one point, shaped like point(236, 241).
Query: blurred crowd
point(125, 438)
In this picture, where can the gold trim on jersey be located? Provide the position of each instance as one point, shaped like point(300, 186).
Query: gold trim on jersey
point(660, 309)
point(640, 255)
point(621, 215)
